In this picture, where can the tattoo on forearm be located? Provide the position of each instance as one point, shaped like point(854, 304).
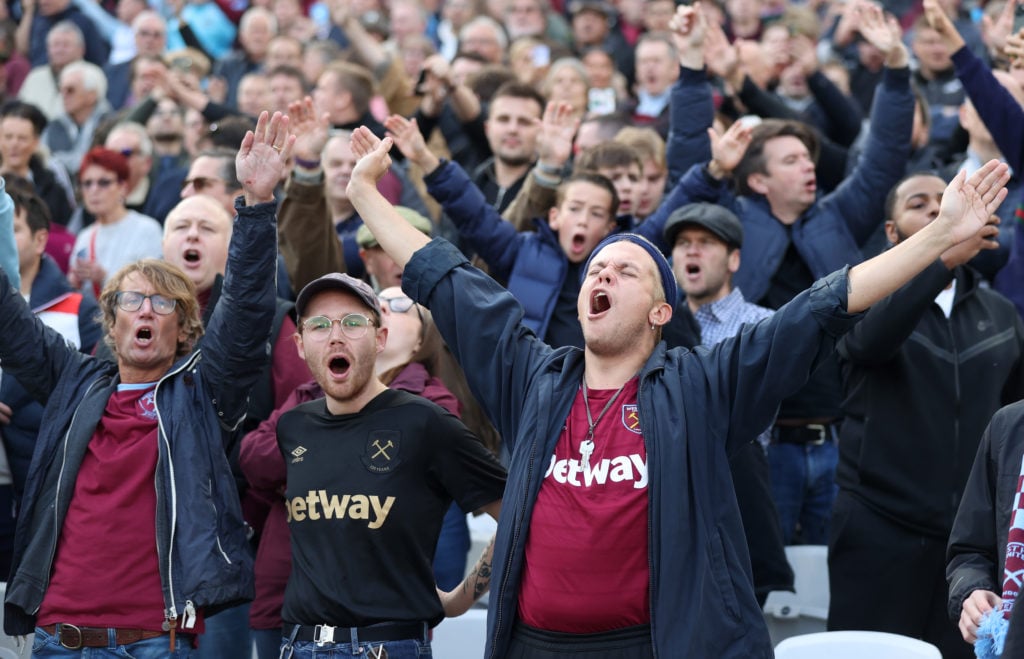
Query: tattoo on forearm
point(481, 574)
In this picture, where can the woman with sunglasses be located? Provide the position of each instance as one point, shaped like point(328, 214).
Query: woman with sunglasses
point(118, 236)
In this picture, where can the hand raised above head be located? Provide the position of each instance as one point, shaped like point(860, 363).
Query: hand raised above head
point(968, 203)
point(407, 137)
point(374, 160)
point(263, 157)
point(311, 130)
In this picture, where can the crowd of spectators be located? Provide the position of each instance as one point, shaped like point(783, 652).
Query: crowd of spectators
point(777, 143)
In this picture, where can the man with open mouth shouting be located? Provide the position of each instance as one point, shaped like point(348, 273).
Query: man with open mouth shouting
point(623, 537)
point(130, 457)
point(371, 472)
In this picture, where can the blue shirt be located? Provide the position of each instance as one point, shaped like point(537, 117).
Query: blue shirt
point(724, 318)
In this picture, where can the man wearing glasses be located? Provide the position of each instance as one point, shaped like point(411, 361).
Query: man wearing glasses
point(371, 470)
point(130, 458)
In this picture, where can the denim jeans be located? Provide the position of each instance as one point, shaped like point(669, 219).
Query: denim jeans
point(417, 648)
point(227, 635)
point(267, 642)
point(46, 645)
point(804, 488)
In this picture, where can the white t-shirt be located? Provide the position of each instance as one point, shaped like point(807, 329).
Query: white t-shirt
point(135, 236)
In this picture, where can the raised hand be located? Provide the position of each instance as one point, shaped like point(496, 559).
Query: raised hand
point(727, 149)
point(263, 157)
point(688, 28)
point(720, 56)
point(941, 23)
point(374, 160)
point(409, 140)
point(1014, 47)
point(557, 129)
point(803, 51)
point(874, 29)
point(969, 203)
point(311, 130)
point(994, 33)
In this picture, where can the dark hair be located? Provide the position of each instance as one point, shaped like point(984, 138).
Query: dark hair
point(23, 193)
point(228, 132)
point(594, 179)
point(291, 72)
point(605, 155)
point(754, 160)
point(111, 161)
point(516, 89)
point(890, 198)
point(23, 110)
point(227, 165)
point(357, 80)
point(488, 80)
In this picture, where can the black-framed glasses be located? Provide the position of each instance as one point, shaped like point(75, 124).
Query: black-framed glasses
point(132, 301)
point(353, 325)
point(200, 183)
point(397, 304)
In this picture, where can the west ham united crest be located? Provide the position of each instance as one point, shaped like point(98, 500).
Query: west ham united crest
point(631, 418)
point(382, 451)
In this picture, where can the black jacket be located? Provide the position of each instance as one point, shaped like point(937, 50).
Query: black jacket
point(919, 390)
point(977, 544)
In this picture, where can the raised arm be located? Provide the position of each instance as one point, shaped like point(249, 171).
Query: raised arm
point(235, 346)
point(495, 240)
point(305, 230)
point(860, 199)
point(967, 206)
point(396, 236)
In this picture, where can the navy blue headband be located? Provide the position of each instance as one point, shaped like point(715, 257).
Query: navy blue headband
point(668, 279)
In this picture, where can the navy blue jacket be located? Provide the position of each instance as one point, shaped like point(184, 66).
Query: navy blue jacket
point(201, 540)
point(830, 233)
point(694, 408)
point(1004, 118)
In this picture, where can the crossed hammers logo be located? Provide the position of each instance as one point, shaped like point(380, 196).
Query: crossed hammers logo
point(382, 450)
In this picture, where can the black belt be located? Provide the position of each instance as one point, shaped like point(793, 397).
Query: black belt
point(385, 631)
point(813, 434)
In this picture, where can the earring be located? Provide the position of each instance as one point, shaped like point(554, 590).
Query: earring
point(652, 327)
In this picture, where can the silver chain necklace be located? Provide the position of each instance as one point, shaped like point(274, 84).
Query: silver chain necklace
point(587, 445)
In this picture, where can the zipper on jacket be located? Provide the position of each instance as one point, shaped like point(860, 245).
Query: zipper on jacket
point(56, 495)
point(162, 437)
point(508, 559)
point(650, 532)
point(954, 504)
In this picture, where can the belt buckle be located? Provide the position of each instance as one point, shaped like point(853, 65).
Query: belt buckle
point(822, 431)
point(323, 634)
point(60, 637)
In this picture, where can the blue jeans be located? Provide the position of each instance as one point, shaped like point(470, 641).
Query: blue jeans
point(227, 635)
point(804, 488)
point(416, 648)
point(46, 645)
point(267, 642)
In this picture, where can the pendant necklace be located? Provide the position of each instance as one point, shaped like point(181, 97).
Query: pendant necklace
point(587, 445)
